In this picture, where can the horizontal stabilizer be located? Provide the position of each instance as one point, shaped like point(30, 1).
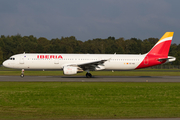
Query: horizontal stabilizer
point(170, 59)
point(162, 59)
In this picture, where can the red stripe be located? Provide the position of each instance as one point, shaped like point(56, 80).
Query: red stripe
point(161, 50)
point(150, 60)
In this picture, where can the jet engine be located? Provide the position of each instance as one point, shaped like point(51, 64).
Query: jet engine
point(69, 70)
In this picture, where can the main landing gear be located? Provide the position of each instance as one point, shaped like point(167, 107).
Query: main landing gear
point(22, 73)
point(88, 75)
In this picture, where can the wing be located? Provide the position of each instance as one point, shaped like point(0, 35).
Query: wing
point(92, 65)
point(95, 65)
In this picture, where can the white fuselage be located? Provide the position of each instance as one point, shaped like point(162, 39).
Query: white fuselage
point(58, 61)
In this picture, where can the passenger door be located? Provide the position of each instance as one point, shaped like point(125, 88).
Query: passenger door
point(21, 60)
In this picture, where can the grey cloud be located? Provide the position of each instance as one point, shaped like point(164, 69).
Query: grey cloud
point(88, 19)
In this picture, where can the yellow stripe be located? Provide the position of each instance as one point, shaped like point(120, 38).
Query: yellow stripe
point(166, 35)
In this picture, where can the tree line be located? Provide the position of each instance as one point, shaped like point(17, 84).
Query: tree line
point(10, 45)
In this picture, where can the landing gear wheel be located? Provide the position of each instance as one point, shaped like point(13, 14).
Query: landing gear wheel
point(22, 75)
point(88, 75)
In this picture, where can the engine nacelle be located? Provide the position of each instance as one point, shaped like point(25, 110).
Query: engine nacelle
point(69, 70)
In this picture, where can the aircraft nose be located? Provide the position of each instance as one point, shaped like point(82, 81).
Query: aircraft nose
point(5, 63)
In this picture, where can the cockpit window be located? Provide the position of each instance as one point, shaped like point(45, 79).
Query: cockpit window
point(12, 58)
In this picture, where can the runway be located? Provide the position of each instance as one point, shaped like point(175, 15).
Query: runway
point(93, 79)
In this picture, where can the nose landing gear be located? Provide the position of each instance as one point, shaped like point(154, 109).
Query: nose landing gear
point(22, 73)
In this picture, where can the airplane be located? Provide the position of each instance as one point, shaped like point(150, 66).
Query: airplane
point(75, 63)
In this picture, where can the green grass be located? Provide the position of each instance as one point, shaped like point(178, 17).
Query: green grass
point(63, 100)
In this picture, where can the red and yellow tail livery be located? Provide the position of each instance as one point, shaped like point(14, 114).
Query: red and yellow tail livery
point(159, 53)
point(163, 45)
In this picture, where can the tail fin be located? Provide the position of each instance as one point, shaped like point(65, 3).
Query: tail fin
point(163, 45)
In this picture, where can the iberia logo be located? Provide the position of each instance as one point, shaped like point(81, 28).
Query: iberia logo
point(49, 57)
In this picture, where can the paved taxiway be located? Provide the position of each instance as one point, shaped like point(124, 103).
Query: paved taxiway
point(94, 79)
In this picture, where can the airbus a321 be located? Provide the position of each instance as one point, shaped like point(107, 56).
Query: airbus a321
point(75, 63)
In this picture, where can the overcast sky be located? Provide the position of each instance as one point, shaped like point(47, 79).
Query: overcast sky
point(89, 19)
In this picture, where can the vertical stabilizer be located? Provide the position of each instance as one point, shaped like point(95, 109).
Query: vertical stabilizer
point(163, 45)
point(159, 53)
